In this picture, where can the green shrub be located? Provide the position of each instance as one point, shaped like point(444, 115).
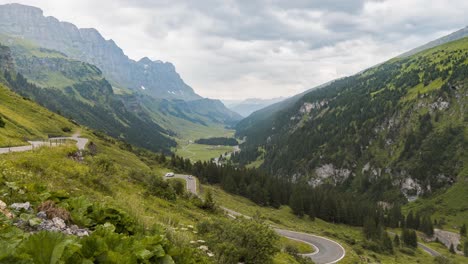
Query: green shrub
point(208, 204)
point(442, 260)
point(49, 247)
point(106, 246)
point(87, 214)
point(103, 165)
point(178, 186)
point(2, 123)
point(240, 240)
point(407, 251)
point(160, 188)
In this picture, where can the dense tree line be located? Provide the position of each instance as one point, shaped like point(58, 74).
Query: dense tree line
point(409, 238)
point(421, 223)
point(218, 141)
point(325, 202)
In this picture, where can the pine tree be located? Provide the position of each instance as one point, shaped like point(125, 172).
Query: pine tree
point(410, 238)
point(452, 249)
point(414, 239)
point(410, 220)
point(465, 251)
point(311, 212)
point(387, 243)
point(369, 228)
point(209, 203)
point(417, 221)
point(396, 240)
point(463, 230)
point(296, 203)
point(426, 226)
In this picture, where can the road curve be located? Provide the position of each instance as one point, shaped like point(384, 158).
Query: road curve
point(80, 143)
point(326, 251)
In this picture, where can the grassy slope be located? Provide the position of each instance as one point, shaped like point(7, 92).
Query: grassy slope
point(185, 130)
point(201, 152)
point(25, 120)
point(46, 78)
point(52, 169)
point(301, 247)
point(187, 149)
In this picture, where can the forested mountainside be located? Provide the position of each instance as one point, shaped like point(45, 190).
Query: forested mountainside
point(402, 125)
point(263, 117)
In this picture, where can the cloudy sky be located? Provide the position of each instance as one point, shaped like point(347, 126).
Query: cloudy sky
point(259, 48)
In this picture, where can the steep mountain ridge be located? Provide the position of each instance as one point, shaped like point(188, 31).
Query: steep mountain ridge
point(265, 115)
point(155, 78)
point(88, 100)
point(54, 54)
point(398, 126)
point(459, 34)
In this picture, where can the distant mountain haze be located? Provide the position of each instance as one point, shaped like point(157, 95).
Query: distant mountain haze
point(250, 105)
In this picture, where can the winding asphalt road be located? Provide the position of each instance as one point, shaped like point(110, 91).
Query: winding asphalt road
point(326, 251)
point(80, 143)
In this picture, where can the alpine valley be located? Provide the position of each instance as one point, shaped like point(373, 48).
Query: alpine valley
point(105, 159)
point(90, 80)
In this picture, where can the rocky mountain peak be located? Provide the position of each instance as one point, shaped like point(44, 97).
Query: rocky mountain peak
point(86, 44)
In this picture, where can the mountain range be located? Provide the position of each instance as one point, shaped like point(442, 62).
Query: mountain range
point(88, 71)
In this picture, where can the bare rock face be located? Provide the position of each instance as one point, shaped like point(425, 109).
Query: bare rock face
point(156, 78)
point(330, 173)
point(411, 189)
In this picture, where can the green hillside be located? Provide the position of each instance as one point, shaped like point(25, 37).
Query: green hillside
point(115, 194)
point(24, 120)
point(79, 91)
point(83, 94)
point(401, 121)
point(49, 68)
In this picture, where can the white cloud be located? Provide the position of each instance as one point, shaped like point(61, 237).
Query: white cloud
point(265, 49)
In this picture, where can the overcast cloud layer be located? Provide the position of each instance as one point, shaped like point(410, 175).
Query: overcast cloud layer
point(258, 48)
